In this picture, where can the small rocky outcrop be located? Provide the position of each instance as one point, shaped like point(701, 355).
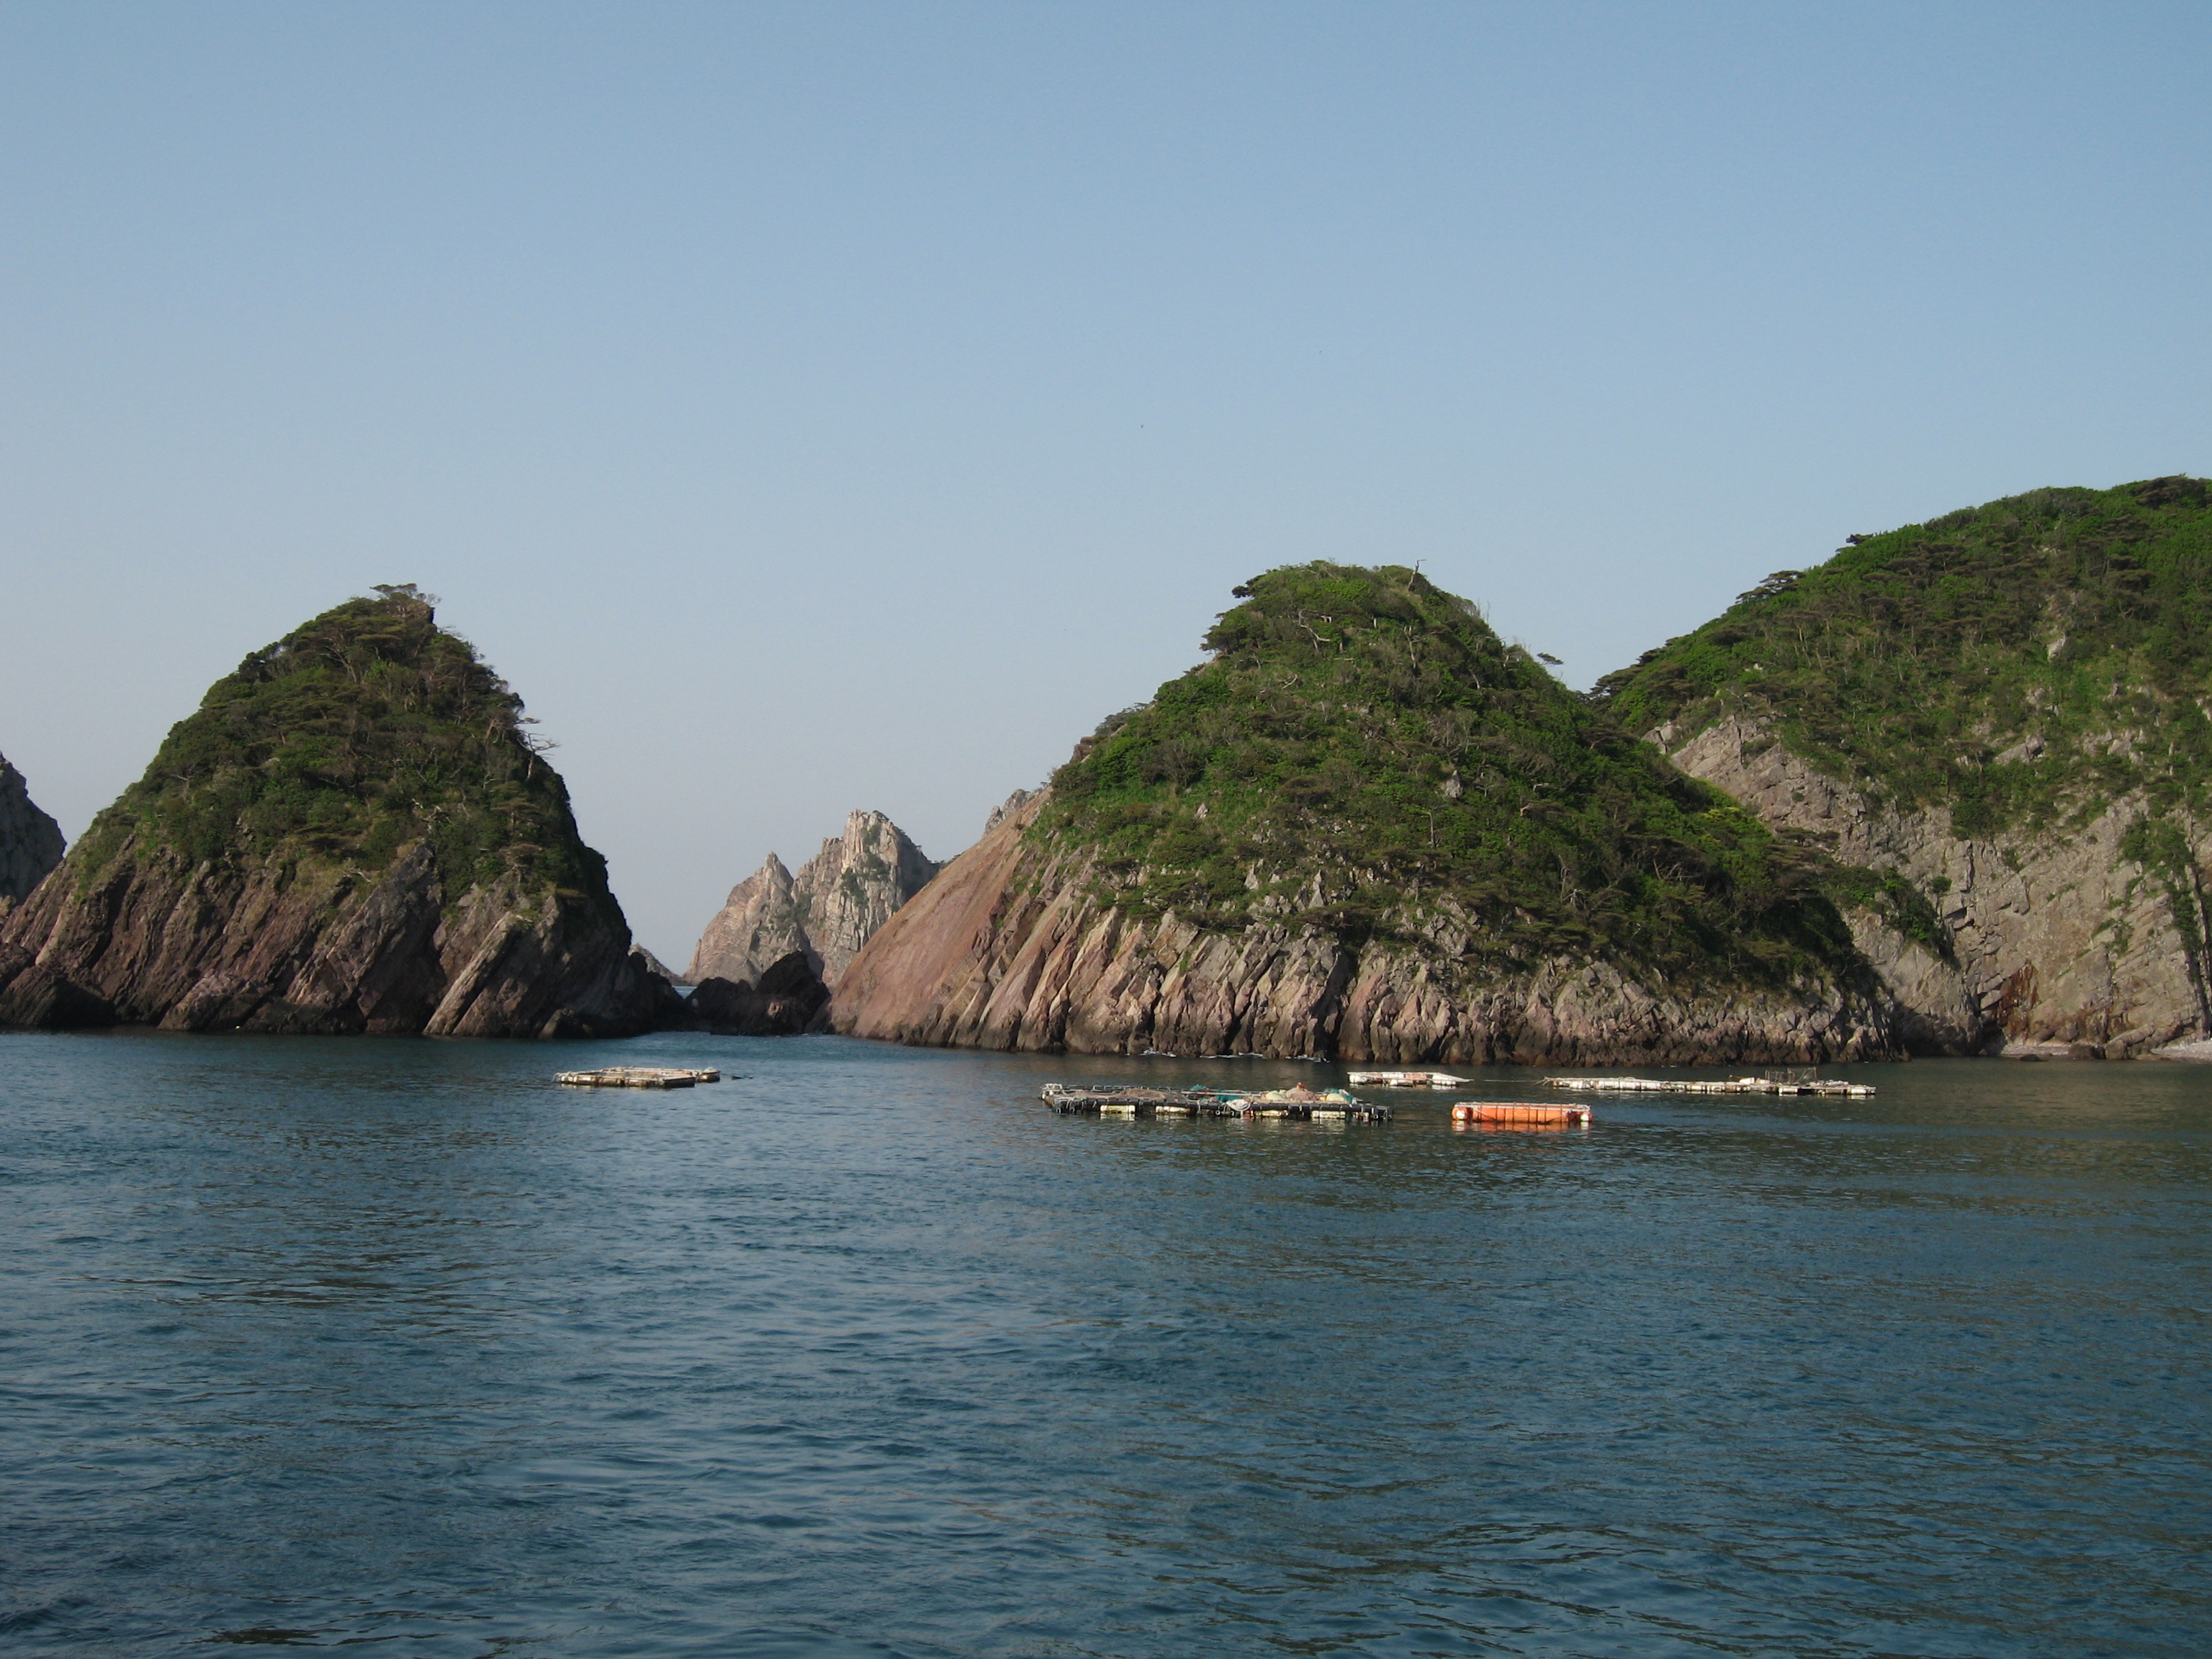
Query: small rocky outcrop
point(30, 842)
point(1006, 808)
point(353, 834)
point(1368, 830)
point(827, 912)
point(654, 964)
point(787, 1001)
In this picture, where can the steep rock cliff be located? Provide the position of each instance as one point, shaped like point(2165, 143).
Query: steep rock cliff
point(1367, 828)
point(30, 842)
point(827, 911)
point(1999, 719)
point(2043, 942)
point(352, 833)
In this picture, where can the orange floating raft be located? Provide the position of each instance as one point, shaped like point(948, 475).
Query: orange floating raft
point(1513, 1113)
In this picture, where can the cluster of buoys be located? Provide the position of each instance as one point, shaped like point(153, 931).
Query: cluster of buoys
point(1517, 1115)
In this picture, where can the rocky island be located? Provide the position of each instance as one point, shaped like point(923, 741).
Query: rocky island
point(1366, 828)
point(353, 833)
point(1996, 721)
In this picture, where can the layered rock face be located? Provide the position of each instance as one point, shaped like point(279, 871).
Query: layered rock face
point(2051, 943)
point(155, 940)
point(1011, 948)
point(2000, 718)
point(352, 834)
point(1369, 831)
point(827, 912)
point(30, 842)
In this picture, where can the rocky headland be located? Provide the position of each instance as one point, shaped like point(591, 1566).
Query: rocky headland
point(353, 833)
point(1368, 830)
point(30, 842)
point(826, 913)
point(1995, 724)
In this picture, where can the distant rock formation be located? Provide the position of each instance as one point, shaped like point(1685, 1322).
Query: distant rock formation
point(758, 925)
point(353, 833)
point(827, 912)
point(30, 842)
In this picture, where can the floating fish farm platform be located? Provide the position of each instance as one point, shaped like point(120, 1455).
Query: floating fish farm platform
point(639, 1076)
point(1735, 1085)
point(1113, 1101)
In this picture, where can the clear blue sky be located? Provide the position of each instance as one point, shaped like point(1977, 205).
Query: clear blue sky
point(819, 406)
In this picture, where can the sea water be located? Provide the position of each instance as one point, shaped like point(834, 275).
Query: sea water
point(399, 1344)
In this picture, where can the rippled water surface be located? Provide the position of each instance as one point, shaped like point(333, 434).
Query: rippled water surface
point(865, 1350)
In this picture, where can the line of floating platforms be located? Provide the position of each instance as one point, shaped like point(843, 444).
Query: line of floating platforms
point(1112, 1101)
point(1408, 1081)
point(639, 1076)
point(1737, 1085)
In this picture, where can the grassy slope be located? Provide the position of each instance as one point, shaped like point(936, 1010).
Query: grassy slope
point(367, 729)
point(2023, 663)
point(1364, 723)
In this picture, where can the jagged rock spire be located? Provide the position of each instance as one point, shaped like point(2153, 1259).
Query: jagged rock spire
point(829, 910)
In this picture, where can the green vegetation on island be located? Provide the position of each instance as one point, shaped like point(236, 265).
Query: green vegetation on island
point(366, 729)
point(1364, 754)
point(2024, 663)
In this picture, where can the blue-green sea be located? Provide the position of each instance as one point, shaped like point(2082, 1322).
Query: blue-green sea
point(398, 1346)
